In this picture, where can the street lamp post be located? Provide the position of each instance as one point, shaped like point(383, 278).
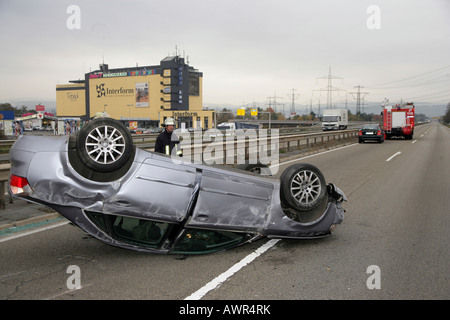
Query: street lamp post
point(129, 114)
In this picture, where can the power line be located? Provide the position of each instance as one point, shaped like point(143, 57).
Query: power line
point(418, 77)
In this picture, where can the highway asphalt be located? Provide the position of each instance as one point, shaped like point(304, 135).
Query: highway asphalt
point(392, 244)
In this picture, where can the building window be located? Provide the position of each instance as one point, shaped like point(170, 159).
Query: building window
point(194, 84)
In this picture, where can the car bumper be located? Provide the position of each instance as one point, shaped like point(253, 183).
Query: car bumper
point(370, 138)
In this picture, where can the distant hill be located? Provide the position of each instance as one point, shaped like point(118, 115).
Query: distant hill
point(429, 109)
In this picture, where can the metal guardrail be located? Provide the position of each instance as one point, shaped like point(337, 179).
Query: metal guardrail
point(7, 143)
point(4, 178)
point(286, 141)
point(148, 140)
point(246, 146)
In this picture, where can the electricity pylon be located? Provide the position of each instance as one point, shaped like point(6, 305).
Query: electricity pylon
point(329, 88)
point(358, 98)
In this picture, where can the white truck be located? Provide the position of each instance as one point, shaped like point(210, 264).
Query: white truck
point(231, 128)
point(334, 119)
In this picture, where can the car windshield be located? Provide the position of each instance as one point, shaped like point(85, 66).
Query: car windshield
point(330, 118)
point(131, 230)
point(150, 233)
point(370, 126)
point(139, 231)
point(206, 241)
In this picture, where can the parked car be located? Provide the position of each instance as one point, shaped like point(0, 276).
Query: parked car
point(153, 130)
point(146, 201)
point(371, 132)
point(192, 129)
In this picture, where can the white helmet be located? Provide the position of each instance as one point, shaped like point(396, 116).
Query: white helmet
point(169, 122)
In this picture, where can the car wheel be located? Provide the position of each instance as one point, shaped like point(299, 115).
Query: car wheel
point(257, 168)
point(104, 145)
point(303, 187)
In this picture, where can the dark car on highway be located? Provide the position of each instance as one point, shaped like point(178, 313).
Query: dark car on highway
point(146, 201)
point(371, 132)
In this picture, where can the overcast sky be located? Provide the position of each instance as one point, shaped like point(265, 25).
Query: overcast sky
point(248, 50)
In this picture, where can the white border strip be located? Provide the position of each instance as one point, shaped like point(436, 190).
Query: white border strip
point(394, 155)
point(313, 155)
point(23, 234)
point(197, 295)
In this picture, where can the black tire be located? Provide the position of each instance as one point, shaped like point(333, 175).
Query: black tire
point(303, 187)
point(104, 145)
point(257, 168)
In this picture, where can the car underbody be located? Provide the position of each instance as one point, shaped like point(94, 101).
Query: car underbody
point(153, 203)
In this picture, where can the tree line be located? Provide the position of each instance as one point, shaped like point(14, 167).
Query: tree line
point(226, 115)
point(446, 117)
point(18, 112)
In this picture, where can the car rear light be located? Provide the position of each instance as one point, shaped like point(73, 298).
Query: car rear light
point(19, 186)
point(360, 133)
point(378, 133)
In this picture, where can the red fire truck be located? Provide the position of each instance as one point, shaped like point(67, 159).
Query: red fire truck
point(398, 121)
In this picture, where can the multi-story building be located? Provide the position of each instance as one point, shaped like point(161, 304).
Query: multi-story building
point(138, 96)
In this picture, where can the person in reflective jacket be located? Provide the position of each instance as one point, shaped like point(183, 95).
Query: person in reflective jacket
point(167, 140)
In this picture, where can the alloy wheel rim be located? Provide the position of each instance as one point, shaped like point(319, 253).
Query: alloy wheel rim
point(105, 145)
point(306, 187)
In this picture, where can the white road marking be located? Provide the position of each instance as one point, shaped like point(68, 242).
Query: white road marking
point(394, 155)
point(414, 141)
point(23, 234)
point(197, 295)
point(313, 155)
point(56, 296)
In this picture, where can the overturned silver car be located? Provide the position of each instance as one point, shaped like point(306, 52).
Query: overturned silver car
point(145, 201)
